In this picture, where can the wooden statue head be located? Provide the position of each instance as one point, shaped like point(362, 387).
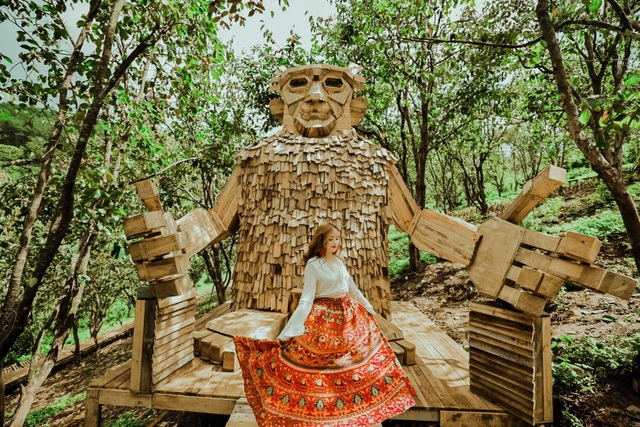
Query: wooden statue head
point(318, 100)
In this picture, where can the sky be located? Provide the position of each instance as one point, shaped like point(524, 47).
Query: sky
point(294, 18)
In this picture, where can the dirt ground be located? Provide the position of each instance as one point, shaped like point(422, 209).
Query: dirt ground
point(442, 291)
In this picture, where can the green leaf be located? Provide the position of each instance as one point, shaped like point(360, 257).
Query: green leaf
point(595, 5)
point(631, 80)
point(584, 117)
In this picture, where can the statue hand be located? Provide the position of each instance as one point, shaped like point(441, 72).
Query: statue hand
point(526, 268)
point(156, 246)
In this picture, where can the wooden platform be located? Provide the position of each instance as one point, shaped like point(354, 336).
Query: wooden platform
point(440, 376)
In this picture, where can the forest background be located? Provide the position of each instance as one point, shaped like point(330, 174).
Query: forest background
point(473, 100)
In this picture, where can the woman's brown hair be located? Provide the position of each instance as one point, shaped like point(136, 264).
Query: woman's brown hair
point(318, 241)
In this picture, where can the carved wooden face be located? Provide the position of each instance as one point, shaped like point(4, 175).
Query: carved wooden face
point(317, 99)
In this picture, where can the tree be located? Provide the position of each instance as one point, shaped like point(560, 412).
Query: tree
point(79, 88)
point(608, 95)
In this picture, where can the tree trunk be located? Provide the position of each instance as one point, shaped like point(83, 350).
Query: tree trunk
point(607, 172)
point(2, 396)
point(65, 316)
point(9, 312)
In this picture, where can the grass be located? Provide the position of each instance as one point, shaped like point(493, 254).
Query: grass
point(399, 253)
point(40, 416)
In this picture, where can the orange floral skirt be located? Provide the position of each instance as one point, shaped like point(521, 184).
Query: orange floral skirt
point(340, 372)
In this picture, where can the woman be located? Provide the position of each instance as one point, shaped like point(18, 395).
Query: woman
point(331, 365)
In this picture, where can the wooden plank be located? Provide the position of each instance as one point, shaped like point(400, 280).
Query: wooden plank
point(475, 419)
point(544, 374)
point(170, 322)
point(543, 241)
point(533, 193)
point(409, 353)
point(444, 236)
point(481, 359)
point(205, 405)
point(165, 303)
point(125, 397)
point(187, 323)
point(491, 266)
point(230, 361)
point(93, 409)
point(106, 379)
point(154, 247)
point(250, 323)
point(197, 338)
point(185, 377)
point(390, 331)
point(148, 192)
point(157, 269)
point(177, 362)
point(177, 346)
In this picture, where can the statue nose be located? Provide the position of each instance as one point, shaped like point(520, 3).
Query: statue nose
point(316, 92)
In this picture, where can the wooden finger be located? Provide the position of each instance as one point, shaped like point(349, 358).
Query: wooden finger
point(536, 281)
point(144, 224)
point(534, 192)
point(523, 300)
point(579, 246)
point(158, 246)
point(157, 269)
point(148, 192)
point(591, 277)
point(171, 286)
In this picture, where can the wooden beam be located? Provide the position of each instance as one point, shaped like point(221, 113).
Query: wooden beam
point(93, 409)
point(142, 345)
point(533, 193)
point(444, 236)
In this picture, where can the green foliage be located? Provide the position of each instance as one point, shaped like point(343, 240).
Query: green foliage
point(600, 225)
point(40, 416)
point(580, 365)
point(580, 173)
point(547, 213)
point(126, 420)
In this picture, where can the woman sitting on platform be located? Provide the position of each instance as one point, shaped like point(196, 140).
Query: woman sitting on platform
point(331, 365)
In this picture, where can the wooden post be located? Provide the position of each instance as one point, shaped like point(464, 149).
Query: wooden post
point(93, 409)
point(143, 335)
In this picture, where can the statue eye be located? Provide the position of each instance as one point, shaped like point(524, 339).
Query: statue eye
point(297, 83)
point(333, 82)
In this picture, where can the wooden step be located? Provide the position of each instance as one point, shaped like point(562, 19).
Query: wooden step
point(242, 415)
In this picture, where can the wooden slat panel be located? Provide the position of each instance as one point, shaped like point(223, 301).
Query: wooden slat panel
point(511, 372)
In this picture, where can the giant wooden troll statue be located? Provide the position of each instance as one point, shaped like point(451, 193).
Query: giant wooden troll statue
point(318, 169)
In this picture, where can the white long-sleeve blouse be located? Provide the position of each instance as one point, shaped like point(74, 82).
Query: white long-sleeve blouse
point(320, 281)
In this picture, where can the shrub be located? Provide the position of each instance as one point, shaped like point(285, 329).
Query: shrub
point(579, 365)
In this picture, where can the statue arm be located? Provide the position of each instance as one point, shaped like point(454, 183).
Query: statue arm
point(504, 260)
point(440, 235)
point(203, 227)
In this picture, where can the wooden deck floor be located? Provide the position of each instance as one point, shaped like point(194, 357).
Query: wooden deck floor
point(440, 376)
